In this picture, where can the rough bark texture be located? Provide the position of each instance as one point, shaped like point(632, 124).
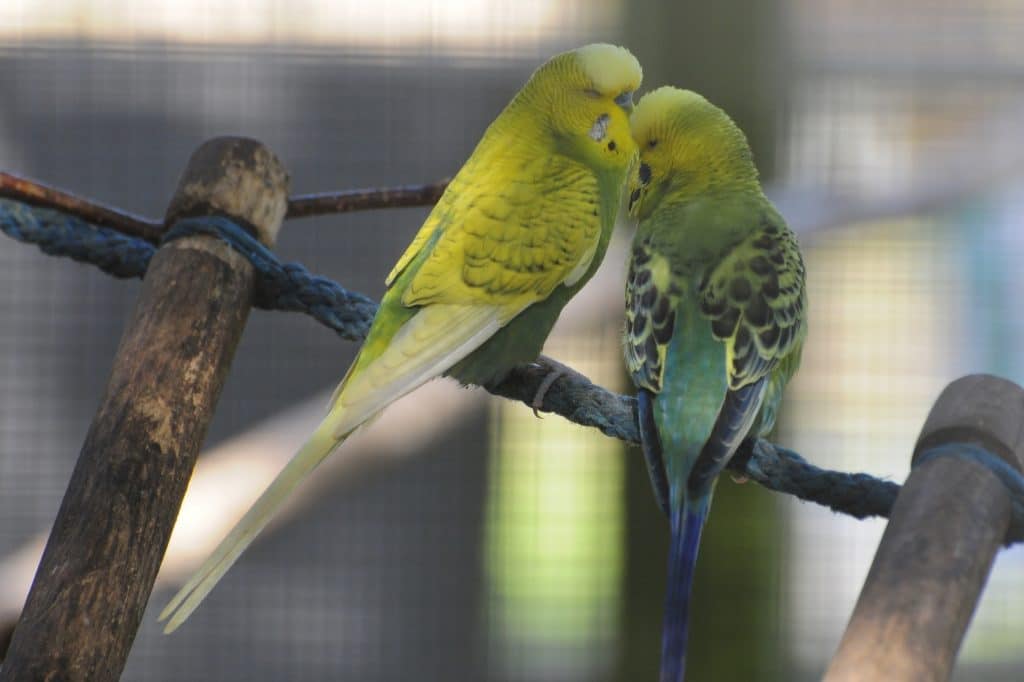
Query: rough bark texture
point(109, 538)
point(944, 532)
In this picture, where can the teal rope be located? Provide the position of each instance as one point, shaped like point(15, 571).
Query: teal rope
point(858, 495)
point(58, 234)
point(290, 287)
point(287, 286)
point(280, 286)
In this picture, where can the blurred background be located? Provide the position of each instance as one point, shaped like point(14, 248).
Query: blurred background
point(486, 544)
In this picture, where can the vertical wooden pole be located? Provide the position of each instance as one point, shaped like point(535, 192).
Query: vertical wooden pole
point(945, 529)
point(110, 534)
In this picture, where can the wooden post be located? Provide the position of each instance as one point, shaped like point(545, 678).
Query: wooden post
point(110, 534)
point(945, 529)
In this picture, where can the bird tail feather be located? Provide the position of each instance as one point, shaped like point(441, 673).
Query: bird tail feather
point(687, 524)
point(315, 450)
point(435, 338)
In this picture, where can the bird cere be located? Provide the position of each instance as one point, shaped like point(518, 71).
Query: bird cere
point(715, 301)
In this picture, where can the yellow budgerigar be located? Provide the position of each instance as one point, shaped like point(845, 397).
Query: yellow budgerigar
point(520, 229)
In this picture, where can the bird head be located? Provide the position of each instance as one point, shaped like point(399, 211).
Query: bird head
point(688, 147)
point(586, 95)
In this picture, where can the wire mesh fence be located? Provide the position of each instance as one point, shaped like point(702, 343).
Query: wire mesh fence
point(875, 102)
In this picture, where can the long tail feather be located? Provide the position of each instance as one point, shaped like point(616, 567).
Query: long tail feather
point(428, 344)
point(315, 450)
point(687, 524)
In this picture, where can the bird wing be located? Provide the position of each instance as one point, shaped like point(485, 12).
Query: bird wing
point(651, 299)
point(433, 340)
point(755, 300)
point(506, 235)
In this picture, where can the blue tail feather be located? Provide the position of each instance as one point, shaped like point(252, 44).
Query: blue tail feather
point(687, 524)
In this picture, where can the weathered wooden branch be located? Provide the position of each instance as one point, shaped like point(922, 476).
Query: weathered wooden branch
point(39, 194)
point(309, 205)
point(944, 532)
point(110, 534)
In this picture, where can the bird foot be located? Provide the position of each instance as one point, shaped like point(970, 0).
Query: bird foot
point(538, 399)
point(739, 479)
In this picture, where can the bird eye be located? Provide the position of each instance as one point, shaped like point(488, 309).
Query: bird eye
point(625, 100)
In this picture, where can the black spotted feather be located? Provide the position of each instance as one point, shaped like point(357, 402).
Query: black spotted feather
point(755, 300)
point(650, 316)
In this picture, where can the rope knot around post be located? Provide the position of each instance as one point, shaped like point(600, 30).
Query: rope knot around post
point(108, 540)
point(287, 286)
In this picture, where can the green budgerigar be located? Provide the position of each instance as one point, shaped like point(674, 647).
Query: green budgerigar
point(715, 318)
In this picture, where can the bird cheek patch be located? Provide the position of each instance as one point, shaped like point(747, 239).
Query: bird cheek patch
point(599, 130)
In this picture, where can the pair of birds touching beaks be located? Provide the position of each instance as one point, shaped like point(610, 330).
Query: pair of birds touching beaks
point(715, 300)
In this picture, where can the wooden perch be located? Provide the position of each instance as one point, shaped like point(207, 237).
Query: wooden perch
point(110, 534)
point(40, 194)
point(329, 203)
point(944, 532)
